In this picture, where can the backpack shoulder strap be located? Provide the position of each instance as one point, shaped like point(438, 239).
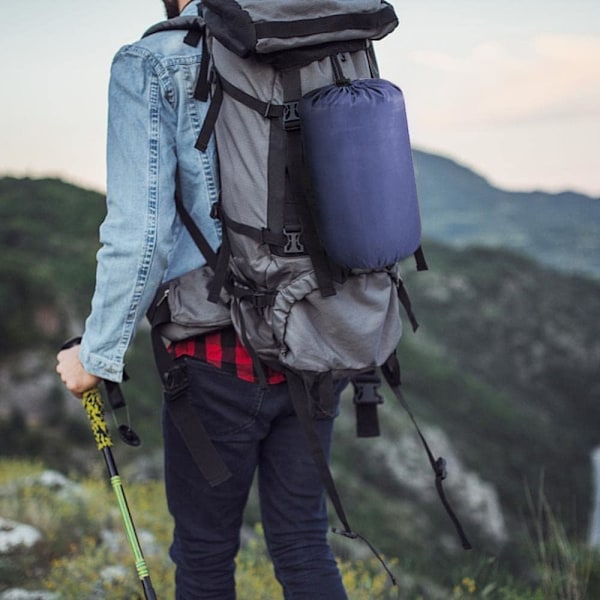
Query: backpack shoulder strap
point(188, 23)
point(199, 238)
point(195, 27)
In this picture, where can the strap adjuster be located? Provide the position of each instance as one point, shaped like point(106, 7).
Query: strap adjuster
point(366, 393)
point(291, 115)
point(293, 240)
point(270, 110)
point(261, 301)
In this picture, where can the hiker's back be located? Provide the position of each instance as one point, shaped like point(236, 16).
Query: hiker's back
point(318, 203)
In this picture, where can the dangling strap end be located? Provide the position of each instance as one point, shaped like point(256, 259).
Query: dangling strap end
point(202, 90)
point(440, 489)
point(420, 260)
point(345, 532)
point(210, 119)
point(353, 536)
point(406, 303)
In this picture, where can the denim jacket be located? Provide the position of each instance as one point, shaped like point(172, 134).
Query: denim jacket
point(153, 123)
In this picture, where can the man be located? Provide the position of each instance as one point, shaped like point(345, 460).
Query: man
point(153, 125)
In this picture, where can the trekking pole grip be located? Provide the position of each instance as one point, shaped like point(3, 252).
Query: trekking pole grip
point(94, 407)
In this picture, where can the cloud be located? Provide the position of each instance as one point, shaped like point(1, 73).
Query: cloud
point(547, 77)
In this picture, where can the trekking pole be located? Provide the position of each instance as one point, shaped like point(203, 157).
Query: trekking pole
point(94, 408)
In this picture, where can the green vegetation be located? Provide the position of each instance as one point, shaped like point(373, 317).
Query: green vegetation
point(84, 554)
point(503, 374)
point(48, 235)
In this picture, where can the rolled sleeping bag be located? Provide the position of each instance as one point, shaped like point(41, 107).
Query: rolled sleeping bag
point(357, 148)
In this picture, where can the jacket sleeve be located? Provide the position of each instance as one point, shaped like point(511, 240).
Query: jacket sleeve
point(139, 224)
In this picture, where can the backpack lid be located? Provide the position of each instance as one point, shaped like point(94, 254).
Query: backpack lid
point(264, 26)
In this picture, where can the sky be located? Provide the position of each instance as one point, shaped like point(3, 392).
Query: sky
point(510, 89)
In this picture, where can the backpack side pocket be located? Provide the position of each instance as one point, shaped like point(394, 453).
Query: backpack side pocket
point(191, 312)
point(356, 329)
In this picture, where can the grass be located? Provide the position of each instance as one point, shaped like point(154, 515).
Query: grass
point(565, 569)
point(84, 553)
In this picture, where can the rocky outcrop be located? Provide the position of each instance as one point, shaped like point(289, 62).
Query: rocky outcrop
point(406, 462)
point(21, 594)
point(17, 536)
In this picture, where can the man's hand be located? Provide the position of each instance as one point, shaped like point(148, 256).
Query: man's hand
point(73, 375)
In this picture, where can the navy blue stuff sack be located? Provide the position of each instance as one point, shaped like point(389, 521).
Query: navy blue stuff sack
point(357, 148)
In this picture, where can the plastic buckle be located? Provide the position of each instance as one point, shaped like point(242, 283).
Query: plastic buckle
point(294, 243)
point(291, 116)
point(175, 381)
point(366, 392)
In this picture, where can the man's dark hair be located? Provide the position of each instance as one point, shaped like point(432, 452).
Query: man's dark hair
point(171, 8)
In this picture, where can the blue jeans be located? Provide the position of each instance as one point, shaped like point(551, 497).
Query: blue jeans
point(253, 429)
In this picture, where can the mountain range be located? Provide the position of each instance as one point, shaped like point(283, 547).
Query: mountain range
point(459, 207)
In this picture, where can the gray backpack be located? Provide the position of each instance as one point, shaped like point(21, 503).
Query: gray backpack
point(316, 214)
point(291, 304)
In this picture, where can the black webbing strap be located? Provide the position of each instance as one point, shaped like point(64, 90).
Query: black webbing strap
point(260, 236)
point(174, 375)
point(366, 400)
point(300, 190)
point(407, 304)
point(114, 394)
point(202, 89)
point(183, 415)
point(325, 271)
point(352, 21)
point(265, 109)
point(218, 262)
point(301, 389)
point(338, 73)
point(199, 239)
point(221, 271)
point(300, 394)
point(372, 60)
point(259, 300)
point(193, 25)
point(420, 259)
point(195, 28)
point(208, 126)
point(391, 372)
point(193, 38)
point(195, 437)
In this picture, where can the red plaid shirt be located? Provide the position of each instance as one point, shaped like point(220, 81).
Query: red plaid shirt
point(223, 350)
